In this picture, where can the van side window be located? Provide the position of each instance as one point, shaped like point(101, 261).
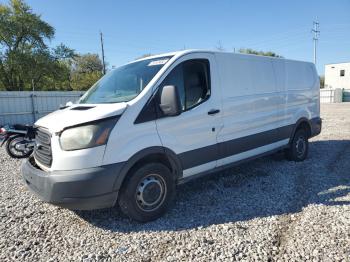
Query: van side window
point(196, 80)
point(192, 79)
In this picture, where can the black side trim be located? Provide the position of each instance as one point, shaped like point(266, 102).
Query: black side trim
point(250, 142)
point(206, 154)
point(220, 168)
point(199, 156)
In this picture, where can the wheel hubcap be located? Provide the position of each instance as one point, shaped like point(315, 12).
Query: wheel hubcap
point(300, 146)
point(15, 146)
point(150, 192)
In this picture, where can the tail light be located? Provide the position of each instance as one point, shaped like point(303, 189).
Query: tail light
point(2, 131)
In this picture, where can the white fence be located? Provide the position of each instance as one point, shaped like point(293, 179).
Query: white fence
point(329, 95)
point(26, 107)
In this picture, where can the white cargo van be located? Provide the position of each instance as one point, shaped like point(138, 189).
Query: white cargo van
point(156, 122)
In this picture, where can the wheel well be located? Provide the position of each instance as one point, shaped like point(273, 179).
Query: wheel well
point(157, 157)
point(306, 126)
point(148, 155)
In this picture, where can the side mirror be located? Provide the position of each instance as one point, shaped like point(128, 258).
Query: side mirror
point(69, 103)
point(170, 103)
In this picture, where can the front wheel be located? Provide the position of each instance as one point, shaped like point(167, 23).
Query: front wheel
point(13, 150)
point(147, 192)
point(299, 146)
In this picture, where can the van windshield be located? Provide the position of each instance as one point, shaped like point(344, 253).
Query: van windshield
point(124, 83)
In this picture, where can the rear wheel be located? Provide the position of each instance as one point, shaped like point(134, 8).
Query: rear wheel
point(299, 146)
point(147, 192)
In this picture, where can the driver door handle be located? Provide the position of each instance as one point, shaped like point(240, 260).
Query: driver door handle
point(213, 111)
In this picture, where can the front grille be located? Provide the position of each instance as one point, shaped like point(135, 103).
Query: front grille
point(42, 152)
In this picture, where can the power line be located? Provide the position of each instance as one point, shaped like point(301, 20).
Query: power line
point(316, 32)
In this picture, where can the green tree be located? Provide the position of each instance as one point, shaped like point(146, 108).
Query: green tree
point(46, 69)
point(25, 59)
point(88, 63)
point(20, 31)
point(85, 71)
point(255, 52)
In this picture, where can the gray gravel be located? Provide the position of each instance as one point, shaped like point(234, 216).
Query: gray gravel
point(267, 210)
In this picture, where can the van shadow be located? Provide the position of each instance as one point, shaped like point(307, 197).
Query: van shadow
point(265, 187)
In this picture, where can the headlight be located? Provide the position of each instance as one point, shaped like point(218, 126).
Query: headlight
point(87, 135)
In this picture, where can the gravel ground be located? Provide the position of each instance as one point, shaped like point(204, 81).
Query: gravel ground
point(267, 210)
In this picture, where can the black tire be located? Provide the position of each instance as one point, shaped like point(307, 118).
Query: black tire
point(299, 146)
point(150, 182)
point(12, 151)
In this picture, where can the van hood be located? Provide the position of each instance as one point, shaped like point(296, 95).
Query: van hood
point(79, 114)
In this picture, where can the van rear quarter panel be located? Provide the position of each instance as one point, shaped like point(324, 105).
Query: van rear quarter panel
point(263, 95)
point(302, 88)
point(252, 101)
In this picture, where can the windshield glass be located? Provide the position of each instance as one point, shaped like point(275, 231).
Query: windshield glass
point(124, 83)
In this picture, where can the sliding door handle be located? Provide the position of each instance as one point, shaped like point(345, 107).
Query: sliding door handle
point(214, 111)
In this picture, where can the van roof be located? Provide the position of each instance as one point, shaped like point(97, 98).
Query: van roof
point(189, 51)
point(174, 53)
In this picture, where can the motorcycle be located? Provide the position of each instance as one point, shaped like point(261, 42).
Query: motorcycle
point(19, 140)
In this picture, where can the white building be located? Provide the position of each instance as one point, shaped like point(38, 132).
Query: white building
point(337, 75)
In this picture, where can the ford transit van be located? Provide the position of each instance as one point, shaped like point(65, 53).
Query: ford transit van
point(156, 122)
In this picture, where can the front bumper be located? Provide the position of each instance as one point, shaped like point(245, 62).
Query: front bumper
point(83, 189)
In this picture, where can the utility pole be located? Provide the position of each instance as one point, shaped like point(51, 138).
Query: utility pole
point(316, 32)
point(103, 54)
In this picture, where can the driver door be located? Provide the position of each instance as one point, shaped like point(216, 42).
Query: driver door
point(192, 135)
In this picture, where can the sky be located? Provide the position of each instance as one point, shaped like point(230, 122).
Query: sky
point(133, 28)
